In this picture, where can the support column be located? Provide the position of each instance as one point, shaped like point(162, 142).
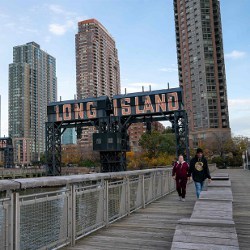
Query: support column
point(53, 148)
point(180, 127)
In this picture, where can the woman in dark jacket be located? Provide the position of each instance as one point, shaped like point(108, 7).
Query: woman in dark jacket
point(180, 174)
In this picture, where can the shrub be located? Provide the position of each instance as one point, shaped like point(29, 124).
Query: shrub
point(220, 162)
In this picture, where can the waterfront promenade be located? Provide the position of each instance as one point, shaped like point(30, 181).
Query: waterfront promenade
point(153, 228)
point(123, 210)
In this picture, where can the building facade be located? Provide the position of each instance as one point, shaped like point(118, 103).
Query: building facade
point(97, 67)
point(201, 68)
point(32, 85)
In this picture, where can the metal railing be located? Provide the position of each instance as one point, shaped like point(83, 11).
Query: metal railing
point(51, 212)
point(6, 223)
point(21, 172)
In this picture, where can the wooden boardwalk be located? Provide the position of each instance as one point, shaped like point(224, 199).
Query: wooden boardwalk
point(149, 228)
point(154, 226)
point(241, 205)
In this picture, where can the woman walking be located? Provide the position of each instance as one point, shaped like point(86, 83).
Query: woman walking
point(180, 174)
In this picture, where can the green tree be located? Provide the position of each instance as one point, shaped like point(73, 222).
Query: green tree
point(168, 144)
point(150, 143)
point(155, 143)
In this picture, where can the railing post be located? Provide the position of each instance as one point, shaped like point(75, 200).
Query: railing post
point(153, 185)
point(127, 195)
point(17, 222)
point(169, 182)
point(162, 183)
point(106, 202)
point(11, 222)
point(73, 214)
point(143, 191)
point(7, 227)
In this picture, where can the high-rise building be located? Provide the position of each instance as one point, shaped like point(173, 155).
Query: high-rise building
point(201, 68)
point(0, 115)
point(32, 85)
point(97, 67)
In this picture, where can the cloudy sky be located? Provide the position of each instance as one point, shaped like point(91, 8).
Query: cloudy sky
point(145, 38)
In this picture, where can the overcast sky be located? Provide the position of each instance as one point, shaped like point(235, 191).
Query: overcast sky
point(145, 38)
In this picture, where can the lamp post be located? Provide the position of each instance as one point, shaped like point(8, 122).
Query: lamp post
point(246, 159)
point(243, 160)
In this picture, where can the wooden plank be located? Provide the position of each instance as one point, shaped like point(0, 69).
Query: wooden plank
point(201, 232)
point(213, 210)
point(220, 183)
point(209, 215)
point(220, 195)
point(214, 205)
point(208, 222)
point(204, 246)
point(220, 176)
point(209, 228)
point(185, 238)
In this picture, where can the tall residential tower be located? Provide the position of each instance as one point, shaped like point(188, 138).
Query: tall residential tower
point(32, 85)
point(97, 67)
point(201, 68)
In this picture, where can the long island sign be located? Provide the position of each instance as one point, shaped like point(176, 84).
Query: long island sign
point(156, 102)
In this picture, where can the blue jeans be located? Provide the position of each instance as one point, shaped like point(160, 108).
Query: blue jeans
point(198, 187)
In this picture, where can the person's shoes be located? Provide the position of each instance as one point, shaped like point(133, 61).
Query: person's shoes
point(180, 198)
point(183, 199)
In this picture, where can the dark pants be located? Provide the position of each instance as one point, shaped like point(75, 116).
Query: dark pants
point(181, 187)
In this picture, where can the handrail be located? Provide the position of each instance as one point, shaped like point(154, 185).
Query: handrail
point(53, 181)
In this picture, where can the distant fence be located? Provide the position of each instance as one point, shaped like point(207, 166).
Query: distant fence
point(51, 212)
